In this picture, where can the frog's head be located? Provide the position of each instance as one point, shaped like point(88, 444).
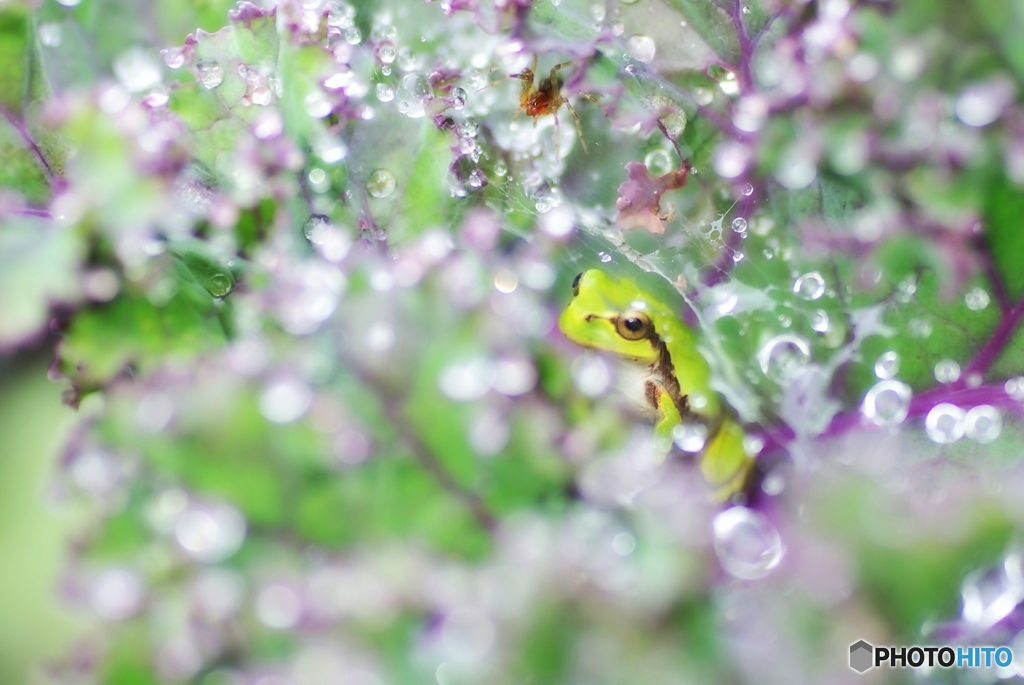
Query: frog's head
point(614, 315)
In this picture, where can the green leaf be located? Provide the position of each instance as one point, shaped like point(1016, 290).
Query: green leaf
point(954, 331)
point(712, 25)
point(1004, 207)
point(39, 267)
point(427, 202)
point(103, 340)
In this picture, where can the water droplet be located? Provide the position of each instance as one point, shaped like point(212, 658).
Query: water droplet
point(623, 544)
point(945, 423)
point(981, 104)
point(467, 635)
point(158, 97)
point(748, 190)
point(210, 532)
point(796, 169)
point(976, 299)
point(723, 301)
point(810, 286)
point(591, 374)
point(819, 321)
point(315, 293)
point(331, 242)
point(703, 96)
point(385, 92)
point(95, 471)
point(218, 594)
point(747, 544)
point(260, 94)
point(467, 380)
point(386, 53)
point(642, 48)
point(466, 146)
point(174, 58)
point(268, 124)
point(340, 14)
point(983, 424)
point(745, 10)
point(458, 98)
point(658, 162)
point(990, 596)
point(506, 281)
point(101, 285)
point(279, 606)
point(604, 257)
point(477, 179)
point(730, 159)
point(907, 62)
point(947, 371)
point(1015, 388)
point(920, 328)
point(753, 444)
point(285, 400)
point(739, 225)
point(887, 403)
point(782, 357)
point(489, 432)
point(381, 183)
point(353, 36)
point(69, 3)
point(50, 36)
point(514, 377)
point(136, 70)
point(220, 284)
point(116, 594)
point(317, 105)
point(690, 436)
point(317, 178)
point(728, 83)
point(888, 365)
point(500, 170)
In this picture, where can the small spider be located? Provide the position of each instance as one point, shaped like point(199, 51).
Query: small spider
point(545, 98)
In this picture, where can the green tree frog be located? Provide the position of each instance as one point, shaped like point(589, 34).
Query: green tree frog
point(615, 315)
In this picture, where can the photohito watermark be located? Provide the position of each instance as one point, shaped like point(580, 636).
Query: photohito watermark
point(864, 656)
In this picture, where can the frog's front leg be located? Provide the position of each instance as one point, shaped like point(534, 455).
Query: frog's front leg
point(670, 418)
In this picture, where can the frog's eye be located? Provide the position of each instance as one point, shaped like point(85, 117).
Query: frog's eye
point(576, 285)
point(633, 325)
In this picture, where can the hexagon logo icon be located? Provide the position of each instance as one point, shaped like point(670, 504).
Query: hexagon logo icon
point(860, 656)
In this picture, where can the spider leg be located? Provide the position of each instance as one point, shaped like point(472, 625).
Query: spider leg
point(492, 83)
point(555, 68)
point(558, 137)
point(579, 127)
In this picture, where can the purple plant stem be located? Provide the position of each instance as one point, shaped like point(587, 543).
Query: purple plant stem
point(988, 353)
point(27, 137)
point(28, 211)
point(955, 393)
point(746, 44)
point(921, 404)
point(998, 287)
